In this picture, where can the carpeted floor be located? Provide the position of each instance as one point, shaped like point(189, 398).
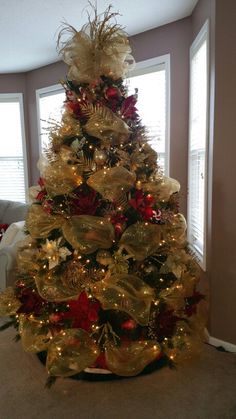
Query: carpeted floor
point(205, 388)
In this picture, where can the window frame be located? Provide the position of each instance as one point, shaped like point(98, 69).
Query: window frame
point(150, 66)
point(45, 91)
point(202, 36)
point(9, 97)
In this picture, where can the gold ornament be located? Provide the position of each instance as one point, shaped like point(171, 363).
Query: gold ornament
point(113, 182)
point(87, 233)
point(70, 352)
point(126, 293)
point(9, 303)
point(35, 336)
point(100, 48)
point(104, 257)
point(141, 240)
point(39, 223)
point(131, 358)
point(100, 157)
point(119, 264)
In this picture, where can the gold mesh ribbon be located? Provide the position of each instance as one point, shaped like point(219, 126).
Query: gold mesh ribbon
point(126, 293)
point(52, 286)
point(40, 224)
point(141, 240)
point(9, 304)
point(104, 124)
point(70, 352)
point(88, 233)
point(131, 358)
point(175, 231)
point(162, 188)
point(35, 336)
point(112, 182)
point(59, 177)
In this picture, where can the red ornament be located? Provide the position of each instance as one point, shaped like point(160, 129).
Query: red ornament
point(149, 199)
point(112, 93)
point(129, 324)
point(148, 213)
point(101, 361)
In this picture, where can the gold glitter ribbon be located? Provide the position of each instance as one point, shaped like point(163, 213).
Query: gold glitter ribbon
point(131, 358)
point(126, 293)
point(70, 352)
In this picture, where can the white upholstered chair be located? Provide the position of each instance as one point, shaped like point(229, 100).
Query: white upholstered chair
point(13, 214)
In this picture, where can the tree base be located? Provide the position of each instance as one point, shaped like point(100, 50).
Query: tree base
point(99, 374)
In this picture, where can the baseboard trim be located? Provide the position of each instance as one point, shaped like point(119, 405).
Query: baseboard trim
point(230, 347)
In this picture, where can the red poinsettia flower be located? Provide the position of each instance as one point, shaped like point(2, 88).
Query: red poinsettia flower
point(83, 312)
point(85, 203)
point(47, 205)
point(31, 302)
point(41, 183)
point(143, 204)
point(128, 109)
point(77, 109)
point(192, 302)
point(166, 323)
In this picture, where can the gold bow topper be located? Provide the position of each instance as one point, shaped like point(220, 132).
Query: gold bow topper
point(100, 48)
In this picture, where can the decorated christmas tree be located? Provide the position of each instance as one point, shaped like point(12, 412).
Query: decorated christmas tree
point(105, 281)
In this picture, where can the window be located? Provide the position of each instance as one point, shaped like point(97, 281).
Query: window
point(13, 162)
point(49, 106)
point(198, 145)
point(152, 79)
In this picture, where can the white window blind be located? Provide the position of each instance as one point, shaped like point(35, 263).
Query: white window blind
point(198, 144)
point(13, 162)
point(49, 110)
point(152, 79)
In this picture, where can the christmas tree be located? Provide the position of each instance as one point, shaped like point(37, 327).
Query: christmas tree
point(105, 281)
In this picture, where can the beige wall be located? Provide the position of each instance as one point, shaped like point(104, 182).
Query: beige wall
point(223, 268)
point(221, 255)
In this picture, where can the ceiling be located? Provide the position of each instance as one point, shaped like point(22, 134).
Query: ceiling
point(29, 28)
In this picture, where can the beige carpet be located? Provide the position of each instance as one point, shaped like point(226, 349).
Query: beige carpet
point(202, 389)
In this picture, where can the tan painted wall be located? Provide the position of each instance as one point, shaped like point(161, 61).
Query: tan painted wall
point(223, 271)
point(221, 254)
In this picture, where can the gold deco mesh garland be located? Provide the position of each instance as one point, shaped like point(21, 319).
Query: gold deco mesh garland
point(106, 239)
